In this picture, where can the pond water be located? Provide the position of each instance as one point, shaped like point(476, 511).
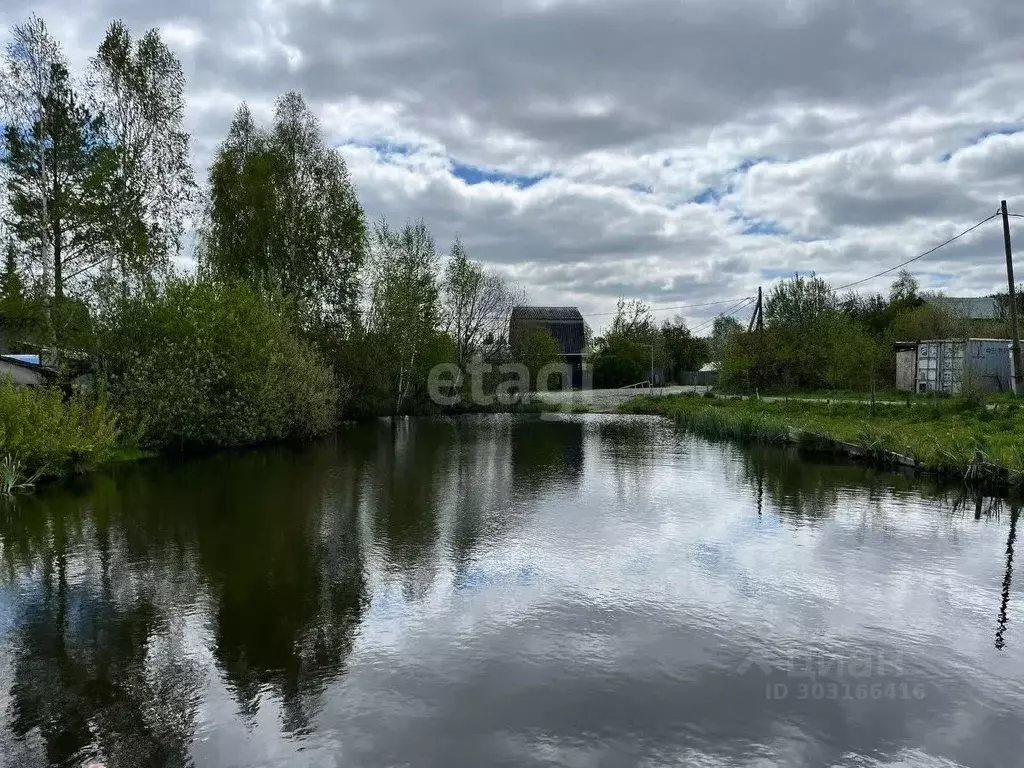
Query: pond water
point(521, 591)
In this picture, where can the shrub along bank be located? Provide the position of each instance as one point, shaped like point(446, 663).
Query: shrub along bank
point(43, 435)
point(202, 364)
point(949, 438)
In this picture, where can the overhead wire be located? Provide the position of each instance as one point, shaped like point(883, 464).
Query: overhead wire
point(664, 309)
point(727, 313)
point(732, 310)
point(919, 256)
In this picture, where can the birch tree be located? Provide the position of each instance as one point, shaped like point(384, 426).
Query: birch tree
point(284, 216)
point(32, 61)
point(477, 305)
point(403, 316)
point(139, 86)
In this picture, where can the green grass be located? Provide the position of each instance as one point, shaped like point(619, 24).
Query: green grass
point(944, 437)
point(881, 395)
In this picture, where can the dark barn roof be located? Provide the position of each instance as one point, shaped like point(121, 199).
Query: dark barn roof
point(564, 323)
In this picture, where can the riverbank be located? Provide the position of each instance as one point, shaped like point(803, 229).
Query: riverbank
point(947, 438)
point(45, 440)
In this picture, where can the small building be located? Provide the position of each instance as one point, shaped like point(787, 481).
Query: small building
point(906, 366)
point(25, 370)
point(943, 365)
point(565, 324)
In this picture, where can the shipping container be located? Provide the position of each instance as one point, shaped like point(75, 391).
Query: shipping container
point(943, 365)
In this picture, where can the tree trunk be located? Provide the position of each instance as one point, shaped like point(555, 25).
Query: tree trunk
point(44, 218)
point(58, 265)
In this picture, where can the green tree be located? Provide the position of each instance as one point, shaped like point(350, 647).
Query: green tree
point(13, 302)
point(624, 354)
point(200, 363)
point(905, 288)
point(284, 216)
point(799, 302)
point(476, 305)
point(722, 330)
point(402, 322)
point(68, 138)
point(30, 63)
point(683, 350)
point(138, 86)
point(535, 349)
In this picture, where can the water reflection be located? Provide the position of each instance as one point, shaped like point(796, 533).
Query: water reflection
point(585, 590)
point(1008, 578)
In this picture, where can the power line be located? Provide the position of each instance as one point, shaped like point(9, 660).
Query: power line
point(665, 309)
point(921, 256)
point(727, 313)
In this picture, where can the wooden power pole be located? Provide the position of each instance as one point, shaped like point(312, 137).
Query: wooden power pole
point(1014, 328)
point(756, 317)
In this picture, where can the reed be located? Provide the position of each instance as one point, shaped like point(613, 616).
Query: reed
point(13, 478)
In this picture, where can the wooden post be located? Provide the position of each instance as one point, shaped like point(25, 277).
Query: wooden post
point(1014, 328)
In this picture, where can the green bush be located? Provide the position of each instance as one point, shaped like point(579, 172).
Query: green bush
point(50, 436)
point(206, 364)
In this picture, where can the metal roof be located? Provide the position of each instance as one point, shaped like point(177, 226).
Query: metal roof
point(970, 307)
point(909, 344)
point(560, 314)
point(564, 323)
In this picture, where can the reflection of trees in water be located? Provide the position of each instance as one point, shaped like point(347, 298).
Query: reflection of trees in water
point(437, 487)
point(113, 576)
point(404, 481)
point(1008, 577)
point(90, 679)
point(796, 486)
point(546, 451)
point(811, 489)
point(288, 598)
point(263, 533)
point(627, 438)
point(628, 447)
point(480, 508)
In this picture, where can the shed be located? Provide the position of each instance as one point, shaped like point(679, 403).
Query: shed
point(565, 324)
point(25, 370)
point(906, 365)
point(943, 365)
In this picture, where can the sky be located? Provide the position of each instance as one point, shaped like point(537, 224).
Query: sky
point(673, 151)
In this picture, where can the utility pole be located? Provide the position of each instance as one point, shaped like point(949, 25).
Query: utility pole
point(756, 316)
point(1014, 328)
point(760, 310)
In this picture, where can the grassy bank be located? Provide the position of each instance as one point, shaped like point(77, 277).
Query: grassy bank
point(947, 438)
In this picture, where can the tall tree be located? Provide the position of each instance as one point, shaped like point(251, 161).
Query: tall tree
point(403, 315)
point(722, 330)
point(284, 215)
point(683, 350)
point(904, 289)
point(62, 190)
point(31, 61)
point(139, 87)
point(799, 301)
point(477, 304)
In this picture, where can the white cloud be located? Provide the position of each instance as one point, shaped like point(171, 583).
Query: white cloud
point(880, 129)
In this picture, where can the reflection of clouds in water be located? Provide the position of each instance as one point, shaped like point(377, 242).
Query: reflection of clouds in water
point(523, 590)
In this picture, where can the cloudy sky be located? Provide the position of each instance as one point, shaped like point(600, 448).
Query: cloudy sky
point(677, 151)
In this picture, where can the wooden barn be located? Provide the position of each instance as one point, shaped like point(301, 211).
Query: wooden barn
point(567, 327)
